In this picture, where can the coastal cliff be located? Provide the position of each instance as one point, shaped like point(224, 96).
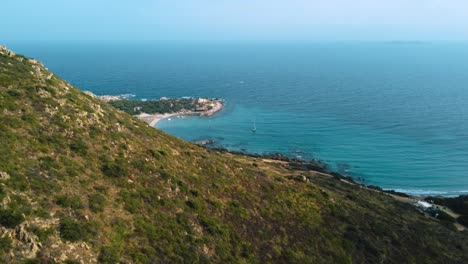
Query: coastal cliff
point(85, 183)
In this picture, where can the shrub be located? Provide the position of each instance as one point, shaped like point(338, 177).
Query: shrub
point(41, 212)
point(32, 261)
point(42, 234)
point(71, 261)
point(47, 163)
point(96, 202)
point(14, 93)
point(236, 208)
point(212, 226)
point(194, 192)
point(445, 217)
point(132, 201)
point(192, 204)
point(5, 244)
point(115, 168)
point(2, 193)
point(72, 230)
point(102, 189)
point(108, 255)
point(463, 220)
point(141, 166)
point(10, 218)
point(165, 175)
point(79, 147)
point(72, 202)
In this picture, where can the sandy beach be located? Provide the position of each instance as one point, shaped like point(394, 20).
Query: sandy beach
point(153, 119)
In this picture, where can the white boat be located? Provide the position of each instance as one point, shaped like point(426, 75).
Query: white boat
point(254, 127)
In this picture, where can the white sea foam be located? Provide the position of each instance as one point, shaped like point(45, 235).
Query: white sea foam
point(431, 192)
point(421, 192)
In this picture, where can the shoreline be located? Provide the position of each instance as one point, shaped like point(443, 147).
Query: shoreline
point(299, 168)
point(153, 119)
point(217, 105)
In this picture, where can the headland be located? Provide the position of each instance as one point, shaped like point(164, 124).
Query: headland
point(153, 111)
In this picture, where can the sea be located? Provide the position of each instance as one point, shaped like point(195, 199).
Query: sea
point(392, 114)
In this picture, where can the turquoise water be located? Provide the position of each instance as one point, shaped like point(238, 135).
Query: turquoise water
point(395, 114)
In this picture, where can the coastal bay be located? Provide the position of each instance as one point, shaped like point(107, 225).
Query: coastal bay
point(385, 112)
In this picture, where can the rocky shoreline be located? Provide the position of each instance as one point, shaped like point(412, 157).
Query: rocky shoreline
point(446, 209)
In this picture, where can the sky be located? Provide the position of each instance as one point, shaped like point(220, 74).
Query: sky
point(233, 20)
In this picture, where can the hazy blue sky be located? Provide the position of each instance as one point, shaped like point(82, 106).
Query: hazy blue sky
point(234, 20)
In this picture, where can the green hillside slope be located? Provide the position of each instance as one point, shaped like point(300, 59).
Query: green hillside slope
point(83, 182)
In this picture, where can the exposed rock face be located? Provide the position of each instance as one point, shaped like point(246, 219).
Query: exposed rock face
point(35, 62)
point(31, 245)
point(79, 251)
point(90, 94)
point(26, 244)
point(38, 69)
point(7, 52)
point(4, 175)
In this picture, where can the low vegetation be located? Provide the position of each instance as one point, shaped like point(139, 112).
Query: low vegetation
point(11, 218)
point(169, 105)
point(94, 184)
point(73, 230)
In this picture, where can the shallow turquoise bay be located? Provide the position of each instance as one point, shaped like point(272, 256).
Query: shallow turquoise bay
point(381, 158)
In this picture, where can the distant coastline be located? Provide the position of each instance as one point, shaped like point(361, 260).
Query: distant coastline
point(153, 111)
point(153, 119)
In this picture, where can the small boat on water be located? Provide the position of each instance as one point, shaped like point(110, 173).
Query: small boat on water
point(254, 127)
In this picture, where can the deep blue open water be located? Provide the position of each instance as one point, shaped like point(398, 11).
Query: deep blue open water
point(395, 114)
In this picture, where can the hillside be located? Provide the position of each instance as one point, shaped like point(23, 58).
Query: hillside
point(82, 182)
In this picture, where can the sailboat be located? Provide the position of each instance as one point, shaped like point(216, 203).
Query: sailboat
point(254, 128)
